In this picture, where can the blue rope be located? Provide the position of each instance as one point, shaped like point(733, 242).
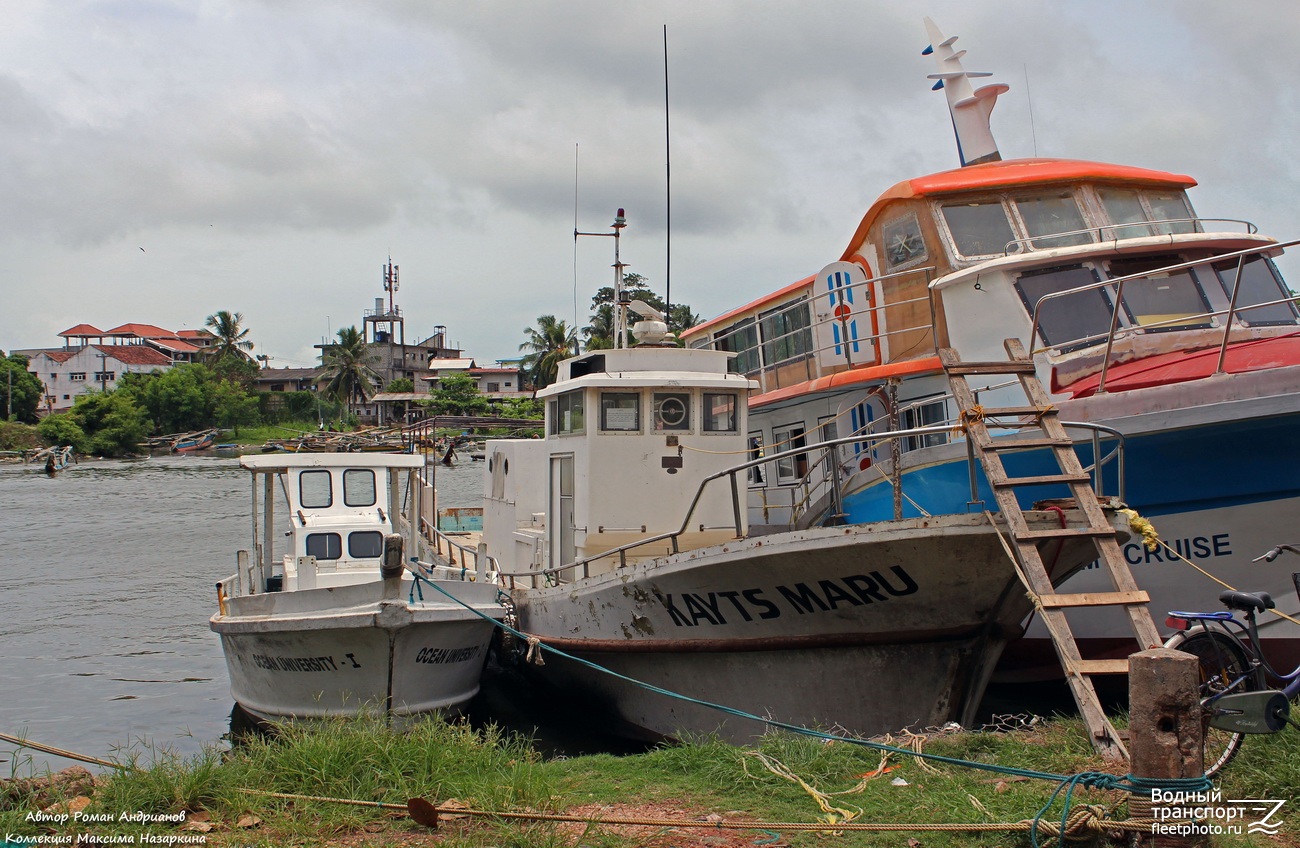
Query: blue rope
point(1066, 784)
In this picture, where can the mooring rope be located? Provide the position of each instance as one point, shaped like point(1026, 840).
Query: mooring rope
point(67, 755)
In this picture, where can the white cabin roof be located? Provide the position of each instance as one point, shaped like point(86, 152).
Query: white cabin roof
point(273, 462)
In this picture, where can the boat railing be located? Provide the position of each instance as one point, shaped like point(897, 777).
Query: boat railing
point(763, 356)
point(445, 546)
point(1161, 227)
point(736, 475)
point(1205, 319)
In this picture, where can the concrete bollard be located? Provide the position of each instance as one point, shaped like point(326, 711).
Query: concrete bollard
point(1165, 739)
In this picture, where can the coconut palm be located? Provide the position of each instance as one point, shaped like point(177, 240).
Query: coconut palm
point(550, 342)
point(347, 366)
point(231, 337)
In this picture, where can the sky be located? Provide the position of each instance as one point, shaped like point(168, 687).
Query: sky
point(161, 160)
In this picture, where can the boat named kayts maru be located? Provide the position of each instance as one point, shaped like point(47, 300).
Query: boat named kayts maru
point(624, 538)
point(337, 611)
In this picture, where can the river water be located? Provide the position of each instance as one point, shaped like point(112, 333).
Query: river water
point(107, 581)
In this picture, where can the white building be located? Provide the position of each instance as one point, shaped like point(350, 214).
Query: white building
point(94, 367)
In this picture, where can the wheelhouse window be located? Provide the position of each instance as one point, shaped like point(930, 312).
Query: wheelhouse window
point(1161, 301)
point(1259, 284)
point(672, 411)
point(1046, 216)
point(359, 487)
point(1124, 207)
point(366, 544)
point(325, 545)
point(1075, 320)
point(314, 490)
point(620, 411)
point(904, 244)
point(720, 413)
point(787, 332)
point(566, 414)
point(978, 228)
point(1171, 207)
point(740, 338)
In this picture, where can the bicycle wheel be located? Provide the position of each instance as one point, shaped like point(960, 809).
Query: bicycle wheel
point(1222, 661)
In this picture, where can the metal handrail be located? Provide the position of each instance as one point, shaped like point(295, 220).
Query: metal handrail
point(1028, 241)
point(551, 575)
point(1118, 284)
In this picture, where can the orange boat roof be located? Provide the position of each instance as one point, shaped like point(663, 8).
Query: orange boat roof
point(1011, 173)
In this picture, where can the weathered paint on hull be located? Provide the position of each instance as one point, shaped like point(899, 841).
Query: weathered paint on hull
point(868, 627)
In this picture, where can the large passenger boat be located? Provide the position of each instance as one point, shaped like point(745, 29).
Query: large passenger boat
point(1171, 330)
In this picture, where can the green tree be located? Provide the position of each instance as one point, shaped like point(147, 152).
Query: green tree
point(401, 384)
point(178, 400)
point(349, 368)
point(547, 344)
point(232, 338)
point(457, 394)
point(113, 421)
point(62, 429)
point(233, 405)
point(21, 391)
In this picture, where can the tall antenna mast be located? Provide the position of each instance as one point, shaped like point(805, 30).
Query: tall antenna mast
point(390, 282)
point(668, 194)
point(620, 300)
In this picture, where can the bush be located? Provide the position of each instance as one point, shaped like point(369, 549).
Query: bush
point(15, 436)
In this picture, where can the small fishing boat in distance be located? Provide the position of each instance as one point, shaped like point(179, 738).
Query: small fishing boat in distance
point(194, 441)
point(334, 613)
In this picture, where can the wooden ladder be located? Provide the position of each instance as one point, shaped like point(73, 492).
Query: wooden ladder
point(1043, 416)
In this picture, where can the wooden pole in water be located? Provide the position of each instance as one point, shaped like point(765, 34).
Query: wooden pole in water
point(1165, 742)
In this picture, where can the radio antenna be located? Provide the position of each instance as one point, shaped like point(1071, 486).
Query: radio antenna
point(575, 235)
point(668, 195)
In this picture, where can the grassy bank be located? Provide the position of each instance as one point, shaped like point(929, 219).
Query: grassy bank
point(776, 781)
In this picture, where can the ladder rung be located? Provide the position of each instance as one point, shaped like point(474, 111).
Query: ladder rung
point(1041, 480)
point(1063, 533)
point(1005, 367)
point(1102, 666)
point(1094, 599)
point(999, 411)
point(1017, 444)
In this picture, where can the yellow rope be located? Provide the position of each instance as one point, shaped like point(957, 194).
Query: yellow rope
point(59, 752)
point(1085, 820)
point(834, 815)
point(1152, 541)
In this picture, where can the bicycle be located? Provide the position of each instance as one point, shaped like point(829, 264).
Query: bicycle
point(1240, 692)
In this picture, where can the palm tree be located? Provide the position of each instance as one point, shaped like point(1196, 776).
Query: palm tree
point(547, 344)
point(348, 368)
point(600, 332)
point(232, 339)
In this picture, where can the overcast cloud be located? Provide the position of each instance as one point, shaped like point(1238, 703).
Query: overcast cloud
point(164, 159)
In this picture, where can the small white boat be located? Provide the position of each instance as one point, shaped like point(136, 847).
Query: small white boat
point(346, 618)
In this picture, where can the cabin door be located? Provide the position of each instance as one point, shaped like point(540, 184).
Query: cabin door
point(560, 519)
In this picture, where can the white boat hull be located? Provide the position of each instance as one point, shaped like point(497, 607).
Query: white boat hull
point(330, 652)
point(869, 628)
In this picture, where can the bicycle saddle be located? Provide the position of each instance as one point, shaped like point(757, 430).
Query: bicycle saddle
point(1247, 601)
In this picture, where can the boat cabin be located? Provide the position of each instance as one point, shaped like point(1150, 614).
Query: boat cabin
point(337, 509)
point(631, 433)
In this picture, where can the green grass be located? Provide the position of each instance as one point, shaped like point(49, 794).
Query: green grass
point(486, 770)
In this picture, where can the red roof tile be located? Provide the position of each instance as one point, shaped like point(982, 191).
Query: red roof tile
point(135, 354)
point(82, 330)
point(144, 331)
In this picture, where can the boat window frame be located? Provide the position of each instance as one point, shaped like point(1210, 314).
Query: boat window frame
point(791, 341)
point(657, 420)
point(791, 468)
point(918, 412)
point(561, 424)
point(329, 488)
point(1081, 234)
point(357, 535)
point(1105, 293)
point(707, 415)
point(938, 206)
point(908, 228)
point(349, 473)
point(1228, 272)
point(604, 412)
point(326, 536)
point(1207, 321)
point(754, 447)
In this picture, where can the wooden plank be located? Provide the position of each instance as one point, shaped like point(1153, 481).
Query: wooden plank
point(1042, 480)
point(1102, 666)
point(1066, 532)
point(1095, 599)
point(1005, 367)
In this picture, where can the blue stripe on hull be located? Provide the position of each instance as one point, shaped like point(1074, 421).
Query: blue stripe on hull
point(1167, 472)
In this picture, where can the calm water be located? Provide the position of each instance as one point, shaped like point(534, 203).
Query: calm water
point(107, 576)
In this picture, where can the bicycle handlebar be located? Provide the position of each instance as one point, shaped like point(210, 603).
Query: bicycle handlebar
point(1276, 552)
